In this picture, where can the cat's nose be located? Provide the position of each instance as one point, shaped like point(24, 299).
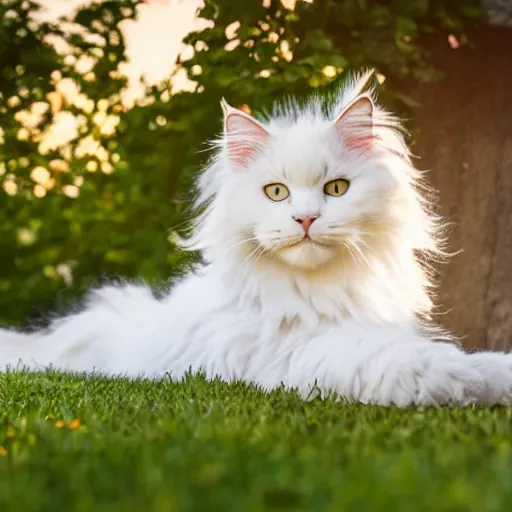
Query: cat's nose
point(306, 222)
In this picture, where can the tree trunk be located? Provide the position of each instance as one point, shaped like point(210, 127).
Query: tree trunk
point(464, 134)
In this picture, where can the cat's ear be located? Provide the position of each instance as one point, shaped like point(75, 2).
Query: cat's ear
point(355, 123)
point(244, 135)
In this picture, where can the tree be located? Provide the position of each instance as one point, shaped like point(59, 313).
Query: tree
point(470, 113)
point(118, 223)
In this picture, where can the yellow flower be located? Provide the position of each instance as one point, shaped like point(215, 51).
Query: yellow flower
point(74, 424)
point(59, 424)
point(3, 451)
point(10, 432)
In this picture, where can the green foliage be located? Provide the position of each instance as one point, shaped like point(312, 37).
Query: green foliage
point(197, 445)
point(55, 247)
point(132, 171)
point(342, 35)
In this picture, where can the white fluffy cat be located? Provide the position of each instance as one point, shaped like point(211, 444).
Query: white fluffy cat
point(311, 229)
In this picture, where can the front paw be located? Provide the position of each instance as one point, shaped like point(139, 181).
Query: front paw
point(439, 374)
point(496, 370)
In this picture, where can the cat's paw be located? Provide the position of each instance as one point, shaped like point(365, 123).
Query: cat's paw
point(441, 374)
point(496, 370)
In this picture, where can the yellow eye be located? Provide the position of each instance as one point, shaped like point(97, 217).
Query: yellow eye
point(277, 192)
point(336, 188)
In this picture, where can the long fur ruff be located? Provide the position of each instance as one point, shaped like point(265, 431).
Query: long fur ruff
point(346, 311)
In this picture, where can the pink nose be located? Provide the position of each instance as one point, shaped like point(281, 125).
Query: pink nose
point(306, 222)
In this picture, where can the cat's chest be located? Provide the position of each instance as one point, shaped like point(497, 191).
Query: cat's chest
point(216, 323)
point(251, 331)
point(224, 336)
point(252, 347)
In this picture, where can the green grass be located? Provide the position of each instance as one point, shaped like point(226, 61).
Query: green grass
point(202, 446)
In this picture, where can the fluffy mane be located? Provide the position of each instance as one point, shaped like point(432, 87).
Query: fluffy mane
point(385, 274)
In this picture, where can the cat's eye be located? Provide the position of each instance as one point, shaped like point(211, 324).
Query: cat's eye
point(336, 188)
point(276, 191)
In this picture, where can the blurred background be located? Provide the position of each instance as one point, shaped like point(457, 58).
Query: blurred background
point(105, 107)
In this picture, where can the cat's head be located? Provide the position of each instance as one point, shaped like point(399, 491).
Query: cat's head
point(311, 189)
point(305, 191)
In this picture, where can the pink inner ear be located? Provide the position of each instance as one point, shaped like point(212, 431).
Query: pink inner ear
point(355, 124)
point(245, 137)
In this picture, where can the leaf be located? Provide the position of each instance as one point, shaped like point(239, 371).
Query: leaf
point(411, 8)
point(471, 10)
point(406, 27)
point(319, 41)
point(338, 61)
point(405, 46)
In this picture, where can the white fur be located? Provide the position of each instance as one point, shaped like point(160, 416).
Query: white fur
point(340, 311)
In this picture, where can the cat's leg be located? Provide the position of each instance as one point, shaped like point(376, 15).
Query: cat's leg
point(385, 367)
point(431, 373)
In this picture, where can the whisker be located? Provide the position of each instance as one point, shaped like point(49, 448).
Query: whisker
point(361, 253)
point(352, 253)
point(250, 237)
point(252, 258)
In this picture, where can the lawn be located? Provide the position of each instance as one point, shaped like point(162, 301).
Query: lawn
point(73, 443)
